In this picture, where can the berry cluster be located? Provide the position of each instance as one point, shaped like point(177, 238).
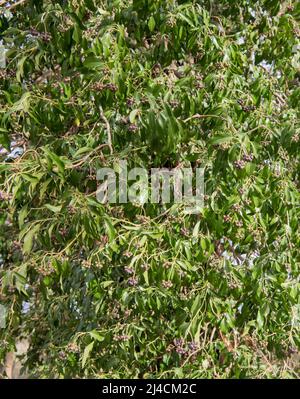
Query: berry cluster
point(104, 86)
point(62, 355)
point(144, 100)
point(66, 24)
point(130, 102)
point(227, 218)
point(121, 338)
point(5, 74)
point(248, 157)
point(167, 284)
point(182, 347)
point(46, 269)
point(174, 103)
point(133, 127)
point(221, 65)
point(199, 81)
point(167, 265)
point(46, 37)
point(240, 164)
point(129, 270)
point(246, 108)
point(73, 348)
point(4, 196)
point(133, 282)
point(236, 207)
point(124, 120)
point(87, 264)
point(63, 232)
point(128, 254)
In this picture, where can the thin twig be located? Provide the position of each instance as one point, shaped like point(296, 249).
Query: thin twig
point(190, 356)
point(109, 136)
point(199, 116)
point(75, 165)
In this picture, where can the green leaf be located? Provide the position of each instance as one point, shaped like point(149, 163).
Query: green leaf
point(98, 337)
point(220, 140)
point(196, 305)
point(196, 229)
point(4, 139)
point(151, 24)
point(55, 209)
point(56, 160)
point(22, 215)
point(260, 320)
point(23, 104)
point(20, 68)
point(203, 244)
point(87, 351)
point(110, 229)
point(133, 114)
point(93, 63)
point(28, 239)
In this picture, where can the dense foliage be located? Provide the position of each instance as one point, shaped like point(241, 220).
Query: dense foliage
point(149, 291)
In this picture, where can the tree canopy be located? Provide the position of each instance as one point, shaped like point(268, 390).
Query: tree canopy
point(129, 290)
